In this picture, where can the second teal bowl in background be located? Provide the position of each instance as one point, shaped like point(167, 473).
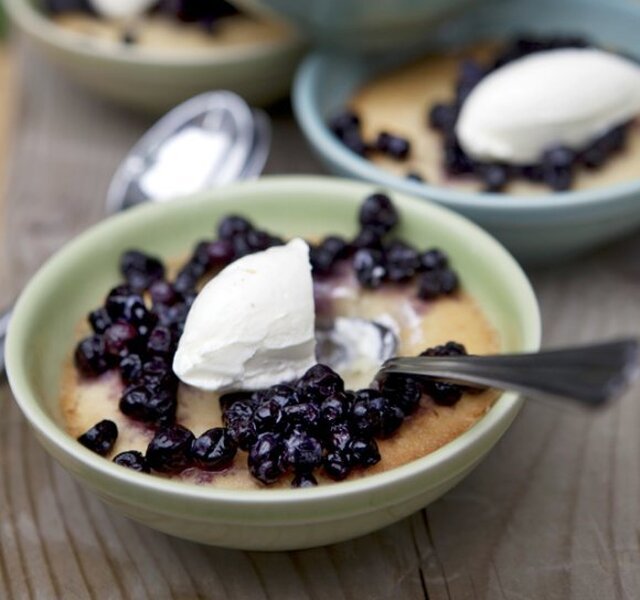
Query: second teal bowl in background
point(537, 229)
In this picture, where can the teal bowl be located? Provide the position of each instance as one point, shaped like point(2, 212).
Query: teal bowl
point(155, 81)
point(536, 229)
point(360, 25)
point(42, 331)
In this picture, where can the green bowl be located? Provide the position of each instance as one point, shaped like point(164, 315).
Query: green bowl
point(75, 280)
point(153, 82)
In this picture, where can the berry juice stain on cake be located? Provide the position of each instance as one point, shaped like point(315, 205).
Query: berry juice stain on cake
point(234, 397)
point(532, 116)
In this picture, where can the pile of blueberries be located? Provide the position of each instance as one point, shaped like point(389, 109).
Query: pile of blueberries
point(556, 167)
point(377, 260)
point(205, 13)
point(296, 427)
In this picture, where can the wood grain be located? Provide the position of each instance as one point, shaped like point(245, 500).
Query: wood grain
point(553, 513)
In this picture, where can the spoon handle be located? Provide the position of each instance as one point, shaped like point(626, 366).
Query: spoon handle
point(591, 375)
point(5, 316)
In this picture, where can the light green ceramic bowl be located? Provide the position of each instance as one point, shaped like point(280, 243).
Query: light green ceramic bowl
point(260, 72)
point(75, 280)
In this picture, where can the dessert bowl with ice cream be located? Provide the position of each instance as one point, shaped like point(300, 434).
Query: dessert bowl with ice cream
point(153, 54)
point(224, 393)
point(534, 136)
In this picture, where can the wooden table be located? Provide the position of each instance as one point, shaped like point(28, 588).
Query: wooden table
point(553, 512)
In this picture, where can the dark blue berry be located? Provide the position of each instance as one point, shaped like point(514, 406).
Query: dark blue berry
point(305, 414)
point(324, 256)
point(100, 438)
point(302, 451)
point(283, 395)
point(334, 409)
point(162, 292)
point(392, 145)
point(404, 392)
point(370, 267)
point(268, 416)
point(364, 452)
point(368, 238)
point(140, 269)
point(353, 140)
point(433, 284)
point(99, 320)
point(456, 161)
point(336, 465)
point(378, 211)
point(120, 338)
point(220, 253)
point(170, 449)
point(149, 405)
point(238, 418)
point(131, 368)
point(266, 460)
point(91, 357)
point(402, 261)
point(443, 117)
point(232, 226)
point(495, 178)
point(448, 349)
point(214, 450)
point(134, 460)
point(344, 122)
point(433, 260)
point(364, 418)
point(160, 341)
point(318, 383)
point(339, 437)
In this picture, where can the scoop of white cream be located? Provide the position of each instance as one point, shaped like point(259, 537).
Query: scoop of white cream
point(559, 97)
point(252, 325)
point(121, 9)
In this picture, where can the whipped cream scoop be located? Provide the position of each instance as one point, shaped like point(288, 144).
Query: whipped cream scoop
point(251, 326)
point(563, 97)
point(121, 9)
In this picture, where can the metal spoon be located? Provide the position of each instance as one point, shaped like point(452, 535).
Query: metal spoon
point(243, 138)
point(590, 375)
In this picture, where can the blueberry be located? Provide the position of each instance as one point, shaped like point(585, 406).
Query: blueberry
point(364, 452)
point(120, 338)
point(149, 405)
point(354, 142)
point(131, 368)
point(344, 122)
point(495, 177)
point(220, 253)
point(368, 238)
point(124, 305)
point(404, 392)
point(305, 414)
point(471, 73)
point(336, 465)
point(449, 349)
point(265, 460)
point(377, 210)
point(433, 284)
point(324, 256)
point(370, 268)
point(364, 419)
point(238, 418)
point(91, 357)
point(392, 145)
point(442, 393)
point(161, 341)
point(268, 416)
point(232, 226)
point(170, 449)
point(99, 320)
point(392, 417)
point(559, 157)
point(162, 292)
point(433, 260)
point(302, 451)
point(443, 117)
point(214, 450)
point(339, 437)
point(334, 409)
point(304, 480)
point(402, 261)
point(456, 161)
point(230, 398)
point(100, 438)
point(318, 383)
point(140, 269)
point(133, 460)
point(283, 395)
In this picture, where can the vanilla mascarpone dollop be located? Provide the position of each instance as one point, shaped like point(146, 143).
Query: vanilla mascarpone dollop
point(558, 97)
point(121, 9)
point(251, 326)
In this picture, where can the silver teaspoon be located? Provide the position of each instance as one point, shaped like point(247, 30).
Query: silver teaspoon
point(590, 375)
point(240, 137)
